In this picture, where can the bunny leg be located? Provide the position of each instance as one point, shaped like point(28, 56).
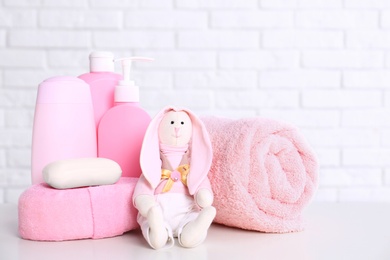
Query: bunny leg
point(195, 232)
point(158, 234)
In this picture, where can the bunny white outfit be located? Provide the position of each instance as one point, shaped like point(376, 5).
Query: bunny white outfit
point(178, 210)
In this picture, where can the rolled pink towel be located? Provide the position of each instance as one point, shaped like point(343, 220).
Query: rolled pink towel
point(49, 214)
point(263, 174)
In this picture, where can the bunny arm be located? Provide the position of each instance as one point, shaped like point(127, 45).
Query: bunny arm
point(144, 203)
point(204, 194)
point(204, 198)
point(143, 197)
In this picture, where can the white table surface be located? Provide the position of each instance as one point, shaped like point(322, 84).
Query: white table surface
point(333, 231)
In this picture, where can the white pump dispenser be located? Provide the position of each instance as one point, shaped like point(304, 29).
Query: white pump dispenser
point(126, 90)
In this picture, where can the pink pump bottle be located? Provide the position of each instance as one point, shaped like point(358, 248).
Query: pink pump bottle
point(64, 126)
point(102, 81)
point(122, 128)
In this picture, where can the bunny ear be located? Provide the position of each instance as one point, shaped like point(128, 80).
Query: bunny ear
point(150, 152)
point(201, 153)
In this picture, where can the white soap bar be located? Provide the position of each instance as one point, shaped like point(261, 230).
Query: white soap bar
point(74, 173)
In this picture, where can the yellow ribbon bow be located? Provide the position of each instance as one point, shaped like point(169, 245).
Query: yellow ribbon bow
point(172, 176)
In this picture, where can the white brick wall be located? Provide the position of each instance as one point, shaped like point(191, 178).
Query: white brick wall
point(323, 65)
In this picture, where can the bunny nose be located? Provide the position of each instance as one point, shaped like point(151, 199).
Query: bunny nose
point(177, 129)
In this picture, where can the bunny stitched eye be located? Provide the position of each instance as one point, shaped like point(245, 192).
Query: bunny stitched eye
point(172, 122)
point(182, 122)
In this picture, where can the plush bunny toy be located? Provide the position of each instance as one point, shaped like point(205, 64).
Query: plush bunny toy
point(173, 195)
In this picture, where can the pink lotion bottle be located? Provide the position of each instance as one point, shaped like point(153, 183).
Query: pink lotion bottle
point(64, 126)
point(102, 81)
point(122, 128)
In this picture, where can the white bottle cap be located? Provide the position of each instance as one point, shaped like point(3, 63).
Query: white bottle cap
point(126, 90)
point(101, 61)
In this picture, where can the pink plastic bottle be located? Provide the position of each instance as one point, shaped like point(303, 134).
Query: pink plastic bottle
point(64, 126)
point(102, 81)
point(122, 128)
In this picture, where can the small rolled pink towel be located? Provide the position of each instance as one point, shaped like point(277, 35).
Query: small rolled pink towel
point(48, 214)
point(263, 174)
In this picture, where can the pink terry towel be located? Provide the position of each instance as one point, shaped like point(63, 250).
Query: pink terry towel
point(49, 214)
point(263, 174)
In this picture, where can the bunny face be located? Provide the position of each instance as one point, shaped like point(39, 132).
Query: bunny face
point(175, 128)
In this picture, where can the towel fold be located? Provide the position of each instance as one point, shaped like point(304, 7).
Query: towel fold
point(48, 214)
point(263, 174)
